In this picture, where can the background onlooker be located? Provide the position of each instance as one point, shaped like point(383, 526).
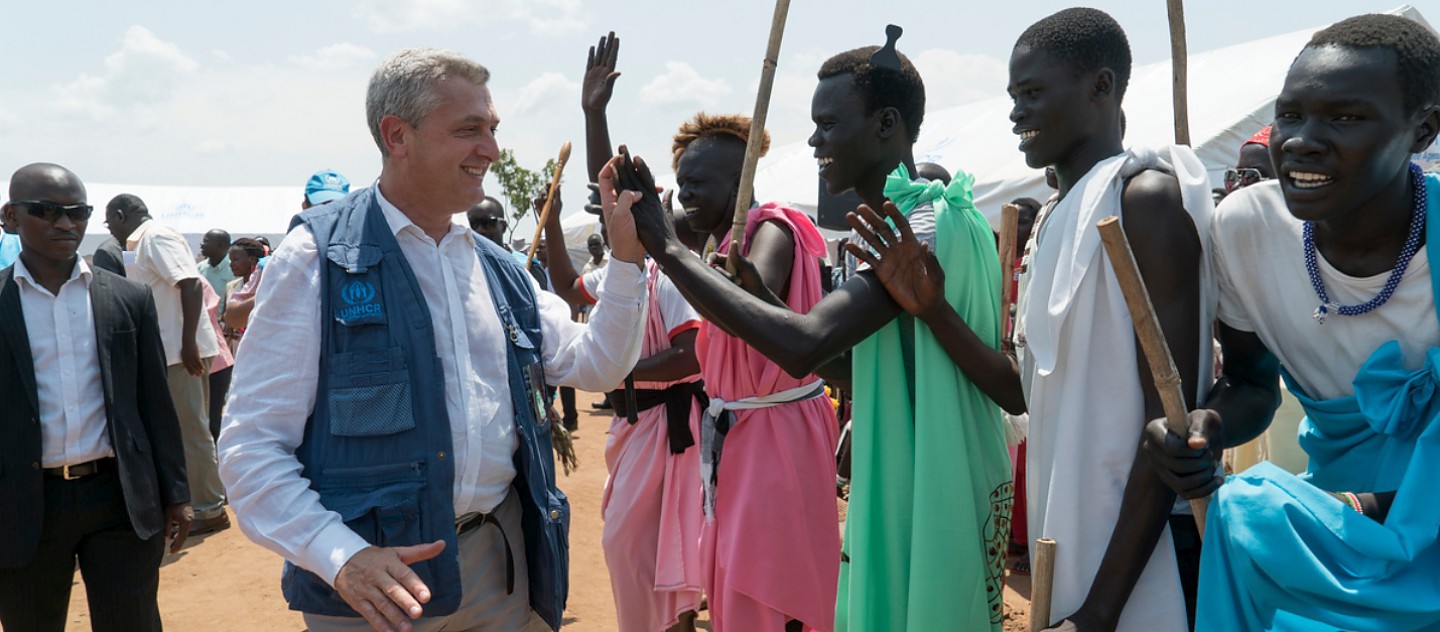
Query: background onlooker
point(164, 261)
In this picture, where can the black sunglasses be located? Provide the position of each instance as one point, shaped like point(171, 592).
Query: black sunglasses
point(489, 221)
point(51, 211)
point(1242, 177)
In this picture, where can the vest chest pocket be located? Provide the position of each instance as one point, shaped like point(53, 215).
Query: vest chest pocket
point(370, 394)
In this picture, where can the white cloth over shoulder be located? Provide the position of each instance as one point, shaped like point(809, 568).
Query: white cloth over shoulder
point(1079, 371)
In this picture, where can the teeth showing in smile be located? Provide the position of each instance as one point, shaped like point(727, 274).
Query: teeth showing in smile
point(691, 210)
point(1309, 180)
point(824, 162)
point(474, 171)
point(1028, 134)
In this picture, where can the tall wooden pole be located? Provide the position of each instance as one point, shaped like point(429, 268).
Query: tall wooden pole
point(1152, 340)
point(1009, 221)
point(757, 130)
point(1179, 62)
point(1042, 583)
point(549, 203)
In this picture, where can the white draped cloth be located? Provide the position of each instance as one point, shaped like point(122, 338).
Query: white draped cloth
point(1078, 366)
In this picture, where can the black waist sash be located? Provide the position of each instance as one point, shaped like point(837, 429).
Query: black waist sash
point(676, 400)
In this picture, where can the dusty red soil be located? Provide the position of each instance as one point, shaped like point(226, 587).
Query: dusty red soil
point(223, 582)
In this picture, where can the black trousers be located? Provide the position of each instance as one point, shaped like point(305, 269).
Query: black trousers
point(85, 521)
point(1187, 556)
point(219, 387)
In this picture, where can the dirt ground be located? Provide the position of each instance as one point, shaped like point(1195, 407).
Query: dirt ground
point(223, 582)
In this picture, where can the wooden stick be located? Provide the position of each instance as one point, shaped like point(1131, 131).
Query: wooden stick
point(1152, 340)
point(1179, 65)
point(549, 203)
point(1042, 583)
point(757, 131)
point(1009, 219)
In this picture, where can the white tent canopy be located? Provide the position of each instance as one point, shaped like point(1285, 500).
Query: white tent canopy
point(1232, 93)
point(251, 211)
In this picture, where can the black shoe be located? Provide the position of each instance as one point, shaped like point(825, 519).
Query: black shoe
point(603, 404)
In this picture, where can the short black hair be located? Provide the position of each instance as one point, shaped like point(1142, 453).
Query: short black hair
point(883, 87)
point(250, 246)
point(1029, 202)
point(129, 204)
point(1417, 51)
point(1089, 39)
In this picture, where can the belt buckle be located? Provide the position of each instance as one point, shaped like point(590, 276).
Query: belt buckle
point(465, 520)
point(65, 474)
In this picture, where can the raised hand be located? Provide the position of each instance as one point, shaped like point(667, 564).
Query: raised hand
point(600, 75)
point(539, 204)
point(617, 204)
point(904, 265)
point(652, 223)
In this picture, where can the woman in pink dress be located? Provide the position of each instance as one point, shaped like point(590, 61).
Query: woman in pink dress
point(771, 547)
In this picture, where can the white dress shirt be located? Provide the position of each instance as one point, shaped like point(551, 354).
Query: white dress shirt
point(278, 364)
point(67, 368)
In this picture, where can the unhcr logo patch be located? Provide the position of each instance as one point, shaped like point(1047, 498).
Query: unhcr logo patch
point(361, 303)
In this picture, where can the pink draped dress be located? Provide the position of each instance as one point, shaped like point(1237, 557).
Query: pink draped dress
point(773, 551)
point(651, 504)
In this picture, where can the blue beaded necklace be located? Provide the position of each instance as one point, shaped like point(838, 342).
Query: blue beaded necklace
point(1412, 244)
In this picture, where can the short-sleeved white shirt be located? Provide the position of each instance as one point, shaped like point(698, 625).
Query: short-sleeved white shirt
point(1265, 288)
point(162, 259)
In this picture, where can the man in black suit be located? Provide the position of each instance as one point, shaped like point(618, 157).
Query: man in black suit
point(91, 465)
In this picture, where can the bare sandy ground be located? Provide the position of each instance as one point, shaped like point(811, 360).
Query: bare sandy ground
point(223, 582)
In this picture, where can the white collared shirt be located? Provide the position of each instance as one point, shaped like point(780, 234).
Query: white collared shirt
point(278, 365)
point(67, 368)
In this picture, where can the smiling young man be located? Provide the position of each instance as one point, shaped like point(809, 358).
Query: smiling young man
point(388, 434)
point(1087, 391)
point(1326, 273)
point(925, 532)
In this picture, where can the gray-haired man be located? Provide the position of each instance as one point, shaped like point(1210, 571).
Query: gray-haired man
point(391, 411)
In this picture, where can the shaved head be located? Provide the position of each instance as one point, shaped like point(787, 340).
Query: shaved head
point(46, 181)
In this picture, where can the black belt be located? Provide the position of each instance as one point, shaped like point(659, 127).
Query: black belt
point(82, 470)
point(676, 400)
point(474, 520)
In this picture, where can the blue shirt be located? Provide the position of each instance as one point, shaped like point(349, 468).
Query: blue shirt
point(9, 249)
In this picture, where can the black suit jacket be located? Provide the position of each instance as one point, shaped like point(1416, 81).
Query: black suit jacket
point(140, 418)
point(109, 256)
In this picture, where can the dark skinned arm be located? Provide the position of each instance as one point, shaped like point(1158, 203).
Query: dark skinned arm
point(237, 313)
point(799, 343)
point(192, 300)
point(913, 277)
point(1167, 252)
point(595, 91)
point(564, 280)
point(675, 363)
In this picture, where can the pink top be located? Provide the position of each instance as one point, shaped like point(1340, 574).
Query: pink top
point(719, 352)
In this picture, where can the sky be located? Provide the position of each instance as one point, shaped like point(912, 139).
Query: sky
point(265, 92)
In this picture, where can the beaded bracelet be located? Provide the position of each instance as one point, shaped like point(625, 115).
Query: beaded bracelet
point(1351, 500)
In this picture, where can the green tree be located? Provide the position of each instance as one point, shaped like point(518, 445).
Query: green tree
point(520, 186)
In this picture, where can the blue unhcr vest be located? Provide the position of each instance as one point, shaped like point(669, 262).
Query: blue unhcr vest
point(377, 447)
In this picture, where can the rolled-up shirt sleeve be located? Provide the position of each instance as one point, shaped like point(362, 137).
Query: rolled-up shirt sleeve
point(272, 395)
point(598, 355)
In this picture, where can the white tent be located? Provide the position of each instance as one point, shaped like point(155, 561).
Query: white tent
point(1232, 92)
point(242, 211)
point(251, 211)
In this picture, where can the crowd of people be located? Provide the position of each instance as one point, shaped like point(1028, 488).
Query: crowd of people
point(376, 397)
